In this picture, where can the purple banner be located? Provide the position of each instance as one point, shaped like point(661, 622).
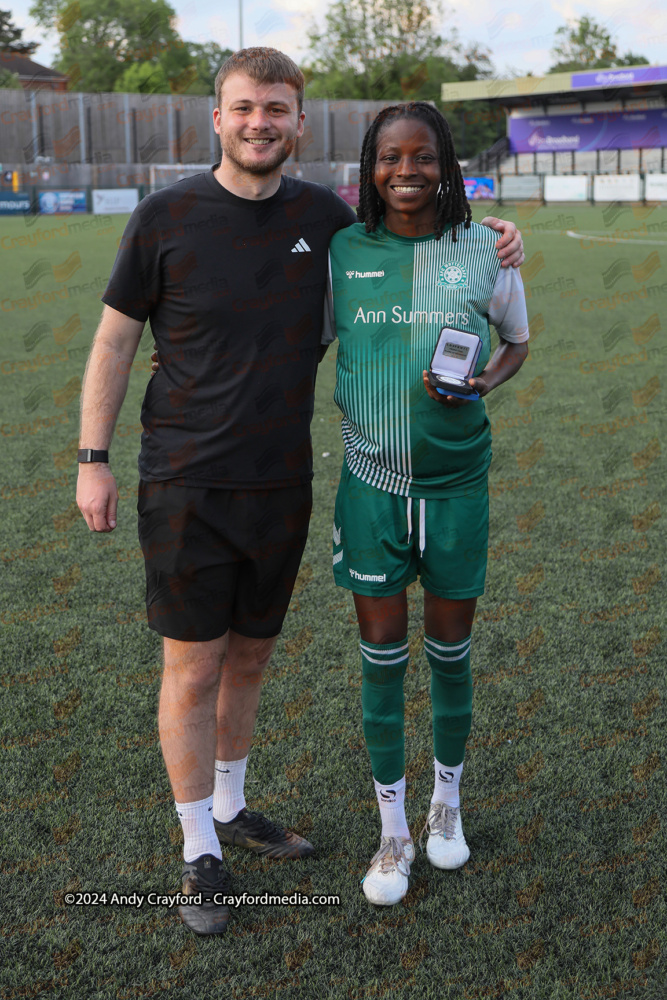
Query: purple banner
point(624, 77)
point(598, 130)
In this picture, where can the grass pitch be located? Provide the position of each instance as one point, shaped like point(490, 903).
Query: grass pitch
point(563, 790)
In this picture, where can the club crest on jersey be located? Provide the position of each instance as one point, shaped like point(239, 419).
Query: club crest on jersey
point(453, 275)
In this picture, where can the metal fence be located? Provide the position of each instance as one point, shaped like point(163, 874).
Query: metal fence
point(140, 129)
point(601, 161)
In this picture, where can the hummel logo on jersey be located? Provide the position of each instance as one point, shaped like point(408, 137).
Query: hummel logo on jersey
point(388, 796)
point(336, 534)
point(365, 274)
point(301, 247)
point(448, 776)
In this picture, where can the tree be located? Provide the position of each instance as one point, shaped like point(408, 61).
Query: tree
point(207, 59)
point(196, 77)
point(143, 78)
point(585, 44)
point(10, 37)
point(387, 50)
point(391, 51)
point(9, 80)
point(376, 49)
point(129, 46)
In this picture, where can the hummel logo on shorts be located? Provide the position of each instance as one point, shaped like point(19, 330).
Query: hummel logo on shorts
point(301, 247)
point(368, 577)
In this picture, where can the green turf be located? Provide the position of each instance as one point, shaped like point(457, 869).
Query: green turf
point(563, 790)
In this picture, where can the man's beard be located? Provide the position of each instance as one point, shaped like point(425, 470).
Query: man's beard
point(266, 167)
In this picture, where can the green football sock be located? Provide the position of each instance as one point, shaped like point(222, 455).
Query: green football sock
point(451, 696)
point(383, 669)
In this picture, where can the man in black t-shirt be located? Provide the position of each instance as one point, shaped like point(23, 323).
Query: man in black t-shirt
point(236, 312)
point(230, 266)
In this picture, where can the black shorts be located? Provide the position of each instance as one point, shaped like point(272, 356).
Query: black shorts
point(218, 559)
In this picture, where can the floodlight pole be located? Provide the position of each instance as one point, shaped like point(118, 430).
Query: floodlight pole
point(240, 24)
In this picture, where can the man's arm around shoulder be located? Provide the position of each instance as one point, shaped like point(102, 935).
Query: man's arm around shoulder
point(104, 387)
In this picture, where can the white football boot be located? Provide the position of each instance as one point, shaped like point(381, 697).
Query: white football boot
point(386, 881)
point(446, 846)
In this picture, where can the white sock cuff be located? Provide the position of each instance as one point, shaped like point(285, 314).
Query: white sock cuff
point(229, 781)
point(396, 786)
point(231, 765)
point(446, 785)
point(391, 801)
point(447, 770)
point(190, 807)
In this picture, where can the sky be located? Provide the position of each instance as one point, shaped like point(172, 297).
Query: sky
point(519, 35)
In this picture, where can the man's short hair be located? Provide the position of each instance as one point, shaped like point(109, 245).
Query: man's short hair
point(262, 65)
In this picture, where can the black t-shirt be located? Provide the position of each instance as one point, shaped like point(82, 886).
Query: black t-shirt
point(234, 290)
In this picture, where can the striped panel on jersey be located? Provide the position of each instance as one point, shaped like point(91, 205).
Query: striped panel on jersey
point(380, 455)
point(428, 296)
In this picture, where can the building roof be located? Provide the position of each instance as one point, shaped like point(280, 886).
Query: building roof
point(27, 68)
point(623, 82)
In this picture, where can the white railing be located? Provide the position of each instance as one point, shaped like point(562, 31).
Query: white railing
point(595, 188)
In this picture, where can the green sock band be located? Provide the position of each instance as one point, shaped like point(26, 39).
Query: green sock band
point(451, 697)
point(383, 670)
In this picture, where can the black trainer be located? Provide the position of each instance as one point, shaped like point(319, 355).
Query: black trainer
point(254, 831)
point(206, 875)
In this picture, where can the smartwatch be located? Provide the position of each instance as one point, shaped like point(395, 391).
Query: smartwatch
point(90, 455)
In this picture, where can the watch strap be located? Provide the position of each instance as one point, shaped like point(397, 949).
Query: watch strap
point(91, 455)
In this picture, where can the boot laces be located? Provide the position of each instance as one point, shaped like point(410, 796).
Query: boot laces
point(391, 854)
point(442, 820)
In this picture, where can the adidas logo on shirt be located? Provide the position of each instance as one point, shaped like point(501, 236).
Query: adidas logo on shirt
point(301, 247)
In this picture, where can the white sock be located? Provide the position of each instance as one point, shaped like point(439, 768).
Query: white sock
point(391, 800)
point(446, 787)
point(228, 797)
point(198, 830)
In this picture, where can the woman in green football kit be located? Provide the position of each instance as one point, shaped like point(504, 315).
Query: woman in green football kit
point(413, 497)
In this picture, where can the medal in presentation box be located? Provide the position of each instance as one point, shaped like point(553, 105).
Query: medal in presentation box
point(453, 363)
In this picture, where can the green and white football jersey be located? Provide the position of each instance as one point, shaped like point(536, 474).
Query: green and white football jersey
point(389, 298)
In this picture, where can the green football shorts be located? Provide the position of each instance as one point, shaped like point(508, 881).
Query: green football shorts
point(382, 541)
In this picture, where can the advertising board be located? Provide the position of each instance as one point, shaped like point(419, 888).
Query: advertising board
point(563, 187)
point(640, 129)
point(479, 187)
point(617, 187)
point(62, 202)
point(115, 201)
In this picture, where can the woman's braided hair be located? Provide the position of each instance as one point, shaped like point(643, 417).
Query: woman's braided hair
point(452, 202)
